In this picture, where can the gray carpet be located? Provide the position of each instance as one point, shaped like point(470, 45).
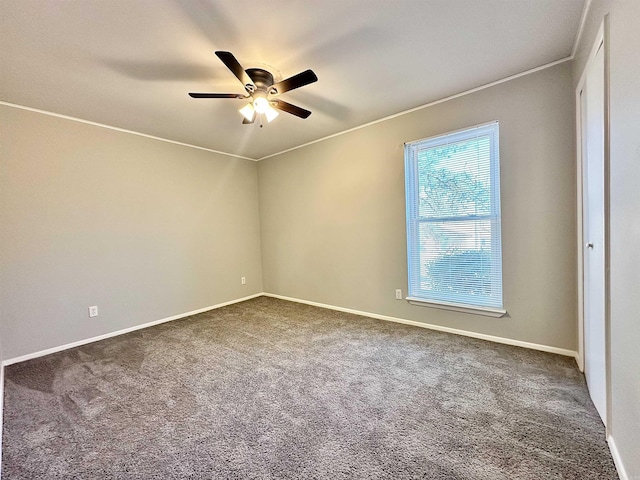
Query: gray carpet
point(272, 389)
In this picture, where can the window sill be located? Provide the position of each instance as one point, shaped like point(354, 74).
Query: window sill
point(456, 307)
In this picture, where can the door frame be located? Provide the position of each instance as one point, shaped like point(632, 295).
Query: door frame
point(601, 38)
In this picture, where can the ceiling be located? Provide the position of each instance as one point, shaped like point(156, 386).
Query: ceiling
point(131, 63)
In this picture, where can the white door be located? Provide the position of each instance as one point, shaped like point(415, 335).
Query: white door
point(592, 109)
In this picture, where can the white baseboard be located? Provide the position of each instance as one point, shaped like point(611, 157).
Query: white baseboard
point(622, 473)
point(579, 362)
point(48, 351)
point(466, 333)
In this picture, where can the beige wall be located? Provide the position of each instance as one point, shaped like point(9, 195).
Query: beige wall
point(624, 207)
point(142, 228)
point(333, 213)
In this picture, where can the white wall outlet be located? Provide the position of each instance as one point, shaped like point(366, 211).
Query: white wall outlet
point(398, 294)
point(93, 311)
point(243, 280)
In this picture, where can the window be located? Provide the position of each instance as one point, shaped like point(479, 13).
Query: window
point(453, 220)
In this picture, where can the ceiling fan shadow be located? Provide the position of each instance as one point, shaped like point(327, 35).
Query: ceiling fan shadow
point(211, 21)
point(323, 105)
point(331, 50)
point(162, 71)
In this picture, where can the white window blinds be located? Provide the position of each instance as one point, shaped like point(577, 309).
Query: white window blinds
point(453, 218)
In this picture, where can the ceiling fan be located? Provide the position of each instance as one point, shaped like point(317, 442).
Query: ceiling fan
point(261, 89)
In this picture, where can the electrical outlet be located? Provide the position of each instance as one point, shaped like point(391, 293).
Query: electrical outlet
point(398, 294)
point(243, 280)
point(93, 311)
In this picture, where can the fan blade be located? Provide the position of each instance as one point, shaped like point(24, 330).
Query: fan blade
point(245, 121)
point(292, 109)
point(232, 64)
point(217, 95)
point(297, 81)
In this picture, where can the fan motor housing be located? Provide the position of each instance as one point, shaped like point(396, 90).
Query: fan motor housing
point(261, 78)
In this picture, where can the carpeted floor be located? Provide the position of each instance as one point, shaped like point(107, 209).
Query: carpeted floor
point(271, 389)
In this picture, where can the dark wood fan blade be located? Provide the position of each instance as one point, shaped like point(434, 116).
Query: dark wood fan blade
point(217, 95)
point(297, 81)
point(292, 109)
point(245, 121)
point(232, 64)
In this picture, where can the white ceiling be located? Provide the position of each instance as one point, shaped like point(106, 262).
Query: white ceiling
point(130, 63)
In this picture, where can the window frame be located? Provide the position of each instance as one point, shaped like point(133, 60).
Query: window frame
point(413, 219)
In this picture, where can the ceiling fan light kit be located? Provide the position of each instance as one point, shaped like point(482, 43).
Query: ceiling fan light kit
point(248, 112)
point(260, 91)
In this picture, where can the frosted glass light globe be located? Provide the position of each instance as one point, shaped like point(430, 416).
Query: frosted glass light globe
point(261, 104)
